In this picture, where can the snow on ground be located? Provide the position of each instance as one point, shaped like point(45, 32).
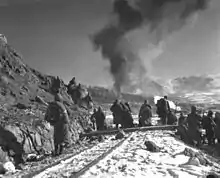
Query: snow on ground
point(79, 161)
point(132, 159)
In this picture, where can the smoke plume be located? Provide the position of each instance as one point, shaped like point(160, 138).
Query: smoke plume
point(161, 17)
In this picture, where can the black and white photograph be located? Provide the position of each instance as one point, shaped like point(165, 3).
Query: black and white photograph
point(109, 88)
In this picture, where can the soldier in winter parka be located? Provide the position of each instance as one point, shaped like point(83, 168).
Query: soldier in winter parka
point(57, 116)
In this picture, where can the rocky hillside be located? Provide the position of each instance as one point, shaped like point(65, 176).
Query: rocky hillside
point(24, 94)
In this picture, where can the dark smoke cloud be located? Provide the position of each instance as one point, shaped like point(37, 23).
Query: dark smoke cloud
point(158, 15)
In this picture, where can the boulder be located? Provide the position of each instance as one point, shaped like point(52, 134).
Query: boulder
point(151, 146)
point(194, 161)
point(35, 138)
point(196, 155)
point(9, 167)
point(120, 135)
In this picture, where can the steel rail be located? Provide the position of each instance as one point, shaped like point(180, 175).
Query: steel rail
point(100, 153)
point(34, 173)
point(102, 156)
point(115, 131)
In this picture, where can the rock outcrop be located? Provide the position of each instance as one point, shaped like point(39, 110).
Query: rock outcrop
point(151, 146)
point(24, 94)
point(80, 95)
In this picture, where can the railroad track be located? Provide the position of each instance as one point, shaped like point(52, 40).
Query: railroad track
point(127, 130)
point(85, 162)
point(94, 153)
point(133, 160)
point(78, 164)
point(66, 156)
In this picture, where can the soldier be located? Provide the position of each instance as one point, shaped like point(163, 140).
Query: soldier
point(57, 116)
point(73, 81)
point(182, 119)
point(217, 126)
point(208, 125)
point(194, 123)
point(145, 114)
point(116, 110)
point(100, 119)
point(182, 129)
point(126, 116)
point(79, 86)
point(146, 103)
point(93, 119)
point(11, 145)
point(163, 109)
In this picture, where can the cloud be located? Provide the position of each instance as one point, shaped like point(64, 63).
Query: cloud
point(199, 83)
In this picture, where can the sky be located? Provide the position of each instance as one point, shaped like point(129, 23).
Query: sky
point(53, 37)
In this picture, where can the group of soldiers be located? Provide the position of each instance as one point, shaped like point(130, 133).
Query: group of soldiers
point(190, 128)
point(58, 116)
point(167, 117)
point(122, 114)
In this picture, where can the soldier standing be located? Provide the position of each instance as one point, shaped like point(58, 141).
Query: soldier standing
point(217, 126)
point(208, 125)
point(116, 110)
point(194, 123)
point(163, 109)
point(145, 114)
point(57, 116)
point(93, 119)
point(100, 119)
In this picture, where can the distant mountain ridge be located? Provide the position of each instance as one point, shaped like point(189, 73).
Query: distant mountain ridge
point(195, 89)
point(198, 89)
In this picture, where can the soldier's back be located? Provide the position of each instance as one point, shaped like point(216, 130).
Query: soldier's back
point(193, 120)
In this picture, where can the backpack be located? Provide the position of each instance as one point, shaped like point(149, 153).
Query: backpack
point(55, 111)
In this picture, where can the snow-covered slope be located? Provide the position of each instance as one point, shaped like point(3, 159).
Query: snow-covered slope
point(132, 159)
